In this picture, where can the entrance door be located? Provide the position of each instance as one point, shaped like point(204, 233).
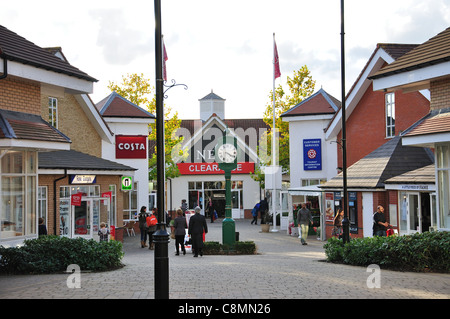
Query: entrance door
point(367, 203)
point(410, 213)
point(82, 219)
point(235, 204)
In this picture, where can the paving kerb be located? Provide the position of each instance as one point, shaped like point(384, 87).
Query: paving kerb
point(283, 269)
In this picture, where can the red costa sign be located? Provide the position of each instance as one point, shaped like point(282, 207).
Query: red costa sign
point(131, 146)
point(213, 168)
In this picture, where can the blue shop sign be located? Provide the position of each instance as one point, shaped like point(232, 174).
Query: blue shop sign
point(312, 154)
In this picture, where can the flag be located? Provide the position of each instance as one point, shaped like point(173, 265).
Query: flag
point(165, 58)
point(276, 61)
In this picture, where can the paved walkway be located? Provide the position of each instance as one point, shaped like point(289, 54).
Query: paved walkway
point(283, 269)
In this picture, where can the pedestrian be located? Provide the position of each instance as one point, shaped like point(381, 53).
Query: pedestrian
point(180, 226)
point(103, 232)
point(379, 222)
point(184, 206)
point(255, 211)
point(263, 207)
point(42, 228)
point(151, 223)
point(303, 219)
point(143, 226)
point(211, 210)
point(197, 226)
point(337, 224)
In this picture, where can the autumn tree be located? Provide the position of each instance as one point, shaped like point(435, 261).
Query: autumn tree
point(138, 90)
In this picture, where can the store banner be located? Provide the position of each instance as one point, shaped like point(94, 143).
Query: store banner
point(131, 146)
point(213, 168)
point(75, 199)
point(312, 154)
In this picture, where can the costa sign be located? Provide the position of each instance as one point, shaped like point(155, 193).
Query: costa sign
point(131, 146)
point(213, 168)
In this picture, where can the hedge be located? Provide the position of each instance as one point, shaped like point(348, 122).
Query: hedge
point(240, 248)
point(50, 254)
point(420, 252)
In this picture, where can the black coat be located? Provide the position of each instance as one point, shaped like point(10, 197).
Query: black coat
point(197, 224)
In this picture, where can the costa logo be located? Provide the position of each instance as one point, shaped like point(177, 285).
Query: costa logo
point(131, 146)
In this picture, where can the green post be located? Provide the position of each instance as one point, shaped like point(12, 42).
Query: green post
point(228, 225)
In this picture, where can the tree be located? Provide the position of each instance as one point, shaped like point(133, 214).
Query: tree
point(138, 90)
point(301, 86)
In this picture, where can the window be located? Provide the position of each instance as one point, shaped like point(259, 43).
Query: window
point(443, 170)
point(390, 114)
point(42, 203)
point(53, 111)
point(314, 181)
point(18, 185)
point(130, 210)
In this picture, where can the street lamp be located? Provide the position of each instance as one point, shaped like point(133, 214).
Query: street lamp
point(161, 237)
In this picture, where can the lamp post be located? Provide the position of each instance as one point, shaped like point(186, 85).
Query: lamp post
point(345, 220)
point(161, 237)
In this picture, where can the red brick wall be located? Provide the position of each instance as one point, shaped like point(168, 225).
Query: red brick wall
point(366, 128)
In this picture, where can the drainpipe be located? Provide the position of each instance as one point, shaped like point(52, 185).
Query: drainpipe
point(54, 197)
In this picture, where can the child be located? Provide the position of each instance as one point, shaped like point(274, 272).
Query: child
point(103, 232)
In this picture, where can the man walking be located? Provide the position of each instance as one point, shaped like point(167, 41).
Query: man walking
point(379, 222)
point(303, 219)
point(197, 225)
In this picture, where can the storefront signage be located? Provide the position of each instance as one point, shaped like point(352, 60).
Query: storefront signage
point(312, 155)
point(131, 146)
point(75, 199)
point(127, 183)
point(213, 168)
point(82, 179)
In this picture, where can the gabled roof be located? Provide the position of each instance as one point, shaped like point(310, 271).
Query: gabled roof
point(389, 160)
point(16, 48)
point(318, 103)
point(212, 96)
point(437, 121)
point(114, 105)
point(78, 161)
point(435, 50)
point(25, 126)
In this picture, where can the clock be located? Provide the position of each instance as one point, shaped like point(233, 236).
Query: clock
point(227, 153)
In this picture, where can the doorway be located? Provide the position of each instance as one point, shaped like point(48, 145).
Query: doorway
point(85, 219)
point(415, 212)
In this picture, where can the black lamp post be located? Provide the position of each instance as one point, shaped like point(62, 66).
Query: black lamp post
point(160, 237)
point(345, 221)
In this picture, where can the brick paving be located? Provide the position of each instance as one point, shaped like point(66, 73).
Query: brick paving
point(283, 269)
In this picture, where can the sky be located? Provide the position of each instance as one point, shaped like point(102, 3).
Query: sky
point(223, 46)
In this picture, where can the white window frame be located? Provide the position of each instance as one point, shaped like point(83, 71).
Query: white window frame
point(390, 114)
point(53, 111)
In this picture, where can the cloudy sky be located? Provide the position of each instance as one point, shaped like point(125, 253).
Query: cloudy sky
point(224, 46)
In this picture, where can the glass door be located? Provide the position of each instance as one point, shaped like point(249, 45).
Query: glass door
point(82, 219)
point(235, 204)
point(414, 220)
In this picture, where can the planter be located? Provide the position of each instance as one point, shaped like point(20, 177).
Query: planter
point(265, 228)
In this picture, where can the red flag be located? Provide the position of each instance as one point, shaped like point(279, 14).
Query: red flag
point(165, 58)
point(276, 61)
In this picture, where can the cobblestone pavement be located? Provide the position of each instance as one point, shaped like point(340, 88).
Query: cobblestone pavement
point(283, 269)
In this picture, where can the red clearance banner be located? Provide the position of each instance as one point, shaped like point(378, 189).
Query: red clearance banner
point(213, 168)
point(131, 146)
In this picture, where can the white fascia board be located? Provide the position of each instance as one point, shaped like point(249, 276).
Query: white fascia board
point(426, 140)
point(127, 120)
point(43, 171)
point(307, 118)
point(377, 61)
point(414, 76)
point(70, 83)
point(35, 145)
point(94, 117)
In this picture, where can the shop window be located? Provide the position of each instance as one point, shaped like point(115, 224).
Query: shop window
point(18, 194)
point(443, 171)
point(42, 203)
point(390, 114)
point(130, 210)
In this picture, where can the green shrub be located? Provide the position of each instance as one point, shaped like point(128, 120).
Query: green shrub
point(429, 251)
point(240, 248)
point(49, 254)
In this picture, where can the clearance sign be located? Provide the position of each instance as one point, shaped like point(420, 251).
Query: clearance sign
point(213, 168)
point(131, 146)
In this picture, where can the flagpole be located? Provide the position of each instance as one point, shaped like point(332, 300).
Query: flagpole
point(274, 228)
